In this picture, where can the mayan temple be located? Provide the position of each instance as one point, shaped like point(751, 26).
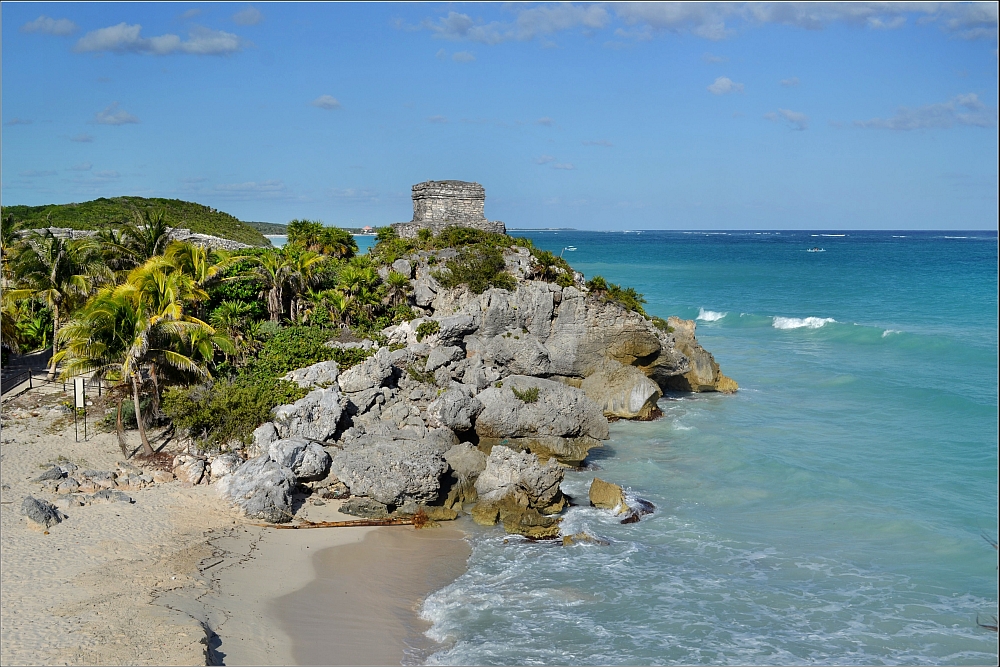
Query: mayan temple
point(440, 204)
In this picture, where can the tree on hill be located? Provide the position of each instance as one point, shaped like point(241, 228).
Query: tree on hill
point(314, 236)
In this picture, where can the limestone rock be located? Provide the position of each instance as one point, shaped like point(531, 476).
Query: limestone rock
point(53, 473)
point(390, 471)
point(466, 463)
point(108, 496)
point(163, 476)
point(455, 328)
point(261, 488)
point(222, 465)
point(704, 373)
point(307, 460)
point(68, 485)
point(583, 538)
point(314, 417)
point(365, 508)
point(40, 513)
point(263, 436)
point(322, 374)
point(403, 266)
point(608, 496)
point(441, 355)
point(517, 353)
point(454, 409)
point(623, 391)
point(189, 469)
point(372, 372)
point(517, 478)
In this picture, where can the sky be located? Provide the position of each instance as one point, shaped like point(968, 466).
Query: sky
point(592, 116)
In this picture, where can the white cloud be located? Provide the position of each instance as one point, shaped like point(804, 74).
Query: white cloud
point(712, 59)
point(463, 57)
point(125, 38)
point(796, 120)
point(327, 102)
point(546, 121)
point(248, 16)
point(790, 83)
point(44, 24)
point(563, 165)
point(112, 115)
point(598, 142)
point(530, 23)
point(438, 119)
point(544, 159)
point(18, 121)
point(967, 110)
point(705, 20)
point(724, 85)
point(190, 14)
point(83, 166)
point(83, 138)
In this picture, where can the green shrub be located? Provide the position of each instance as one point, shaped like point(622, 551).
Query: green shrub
point(428, 328)
point(478, 267)
point(626, 297)
point(527, 395)
point(420, 375)
point(565, 279)
point(661, 324)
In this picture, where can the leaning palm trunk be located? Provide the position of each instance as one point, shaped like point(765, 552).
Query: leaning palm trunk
point(147, 449)
point(120, 428)
point(55, 341)
point(274, 303)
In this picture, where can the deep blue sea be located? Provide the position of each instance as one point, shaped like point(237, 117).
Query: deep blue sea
point(831, 512)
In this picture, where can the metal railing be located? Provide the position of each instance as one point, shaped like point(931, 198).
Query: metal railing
point(21, 381)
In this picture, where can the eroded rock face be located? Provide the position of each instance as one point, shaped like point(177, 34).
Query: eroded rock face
point(704, 373)
point(223, 465)
point(40, 513)
point(261, 488)
point(622, 391)
point(314, 416)
point(307, 460)
point(517, 478)
point(371, 373)
point(466, 463)
point(608, 496)
point(560, 422)
point(322, 374)
point(454, 409)
point(392, 472)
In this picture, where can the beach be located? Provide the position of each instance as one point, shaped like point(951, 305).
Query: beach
point(178, 578)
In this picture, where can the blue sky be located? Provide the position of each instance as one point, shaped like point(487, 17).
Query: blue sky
point(594, 116)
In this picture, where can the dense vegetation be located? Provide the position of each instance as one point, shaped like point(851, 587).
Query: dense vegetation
point(268, 227)
point(103, 213)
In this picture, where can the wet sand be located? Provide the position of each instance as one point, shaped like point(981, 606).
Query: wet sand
point(362, 606)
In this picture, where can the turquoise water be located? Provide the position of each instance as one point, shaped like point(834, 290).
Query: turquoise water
point(831, 512)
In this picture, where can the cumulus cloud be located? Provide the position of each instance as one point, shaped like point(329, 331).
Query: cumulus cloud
point(546, 121)
point(18, 121)
point(790, 83)
point(112, 115)
point(83, 138)
point(713, 59)
point(598, 142)
point(961, 110)
point(463, 57)
point(724, 85)
point(83, 166)
point(248, 16)
point(438, 119)
point(327, 102)
point(544, 159)
point(705, 20)
point(794, 119)
point(48, 26)
point(530, 23)
point(125, 38)
point(563, 165)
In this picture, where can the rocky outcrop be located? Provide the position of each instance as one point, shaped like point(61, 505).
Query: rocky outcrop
point(703, 373)
point(392, 472)
point(307, 460)
point(608, 496)
point(557, 421)
point(517, 491)
point(314, 417)
point(323, 374)
point(369, 374)
point(261, 488)
point(40, 514)
point(455, 408)
point(622, 391)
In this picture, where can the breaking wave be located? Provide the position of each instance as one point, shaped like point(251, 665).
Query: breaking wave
point(798, 323)
point(709, 315)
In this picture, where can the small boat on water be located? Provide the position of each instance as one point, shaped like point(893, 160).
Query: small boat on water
point(816, 249)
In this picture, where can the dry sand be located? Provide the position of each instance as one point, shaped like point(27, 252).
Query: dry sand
point(180, 578)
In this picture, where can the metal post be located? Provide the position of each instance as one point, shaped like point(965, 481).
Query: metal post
point(79, 402)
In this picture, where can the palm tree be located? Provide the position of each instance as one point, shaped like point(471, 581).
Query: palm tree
point(397, 285)
point(204, 266)
point(57, 272)
point(272, 268)
point(145, 236)
point(302, 274)
point(340, 306)
point(231, 318)
point(135, 326)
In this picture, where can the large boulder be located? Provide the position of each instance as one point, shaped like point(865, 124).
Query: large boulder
point(224, 464)
point(314, 417)
point(441, 355)
point(466, 463)
point(261, 488)
point(517, 491)
point(559, 422)
point(189, 469)
point(372, 372)
point(322, 374)
point(391, 472)
point(517, 353)
point(307, 460)
point(454, 409)
point(704, 373)
point(40, 513)
point(608, 496)
point(622, 391)
point(455, 328)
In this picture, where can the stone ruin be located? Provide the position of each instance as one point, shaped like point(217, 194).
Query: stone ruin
point(440, 204)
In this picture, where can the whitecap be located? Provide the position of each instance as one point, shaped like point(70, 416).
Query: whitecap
point(833, 235)
point(890, 331)
point(798, 323)
point(709, 315)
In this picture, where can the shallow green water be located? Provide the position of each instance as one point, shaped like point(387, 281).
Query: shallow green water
point(830, 512)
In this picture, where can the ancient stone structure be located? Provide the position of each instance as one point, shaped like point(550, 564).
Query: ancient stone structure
point(440, 204)
point(174, 233)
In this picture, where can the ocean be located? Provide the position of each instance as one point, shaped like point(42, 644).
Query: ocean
point(833, 511)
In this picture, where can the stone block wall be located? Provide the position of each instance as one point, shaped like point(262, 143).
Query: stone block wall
point(441, 204)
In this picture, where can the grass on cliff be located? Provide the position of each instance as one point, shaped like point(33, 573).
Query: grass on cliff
point(101, 213)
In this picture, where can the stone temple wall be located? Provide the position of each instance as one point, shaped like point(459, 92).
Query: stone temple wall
point(441, 204)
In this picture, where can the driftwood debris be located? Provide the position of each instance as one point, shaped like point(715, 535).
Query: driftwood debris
point(339, 524)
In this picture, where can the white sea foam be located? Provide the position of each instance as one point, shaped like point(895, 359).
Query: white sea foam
point(890, 331)
point(799, 322)
point(709, 315)
point(833, 235)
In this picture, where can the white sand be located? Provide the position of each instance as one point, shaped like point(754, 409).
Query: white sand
point(180, 578)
